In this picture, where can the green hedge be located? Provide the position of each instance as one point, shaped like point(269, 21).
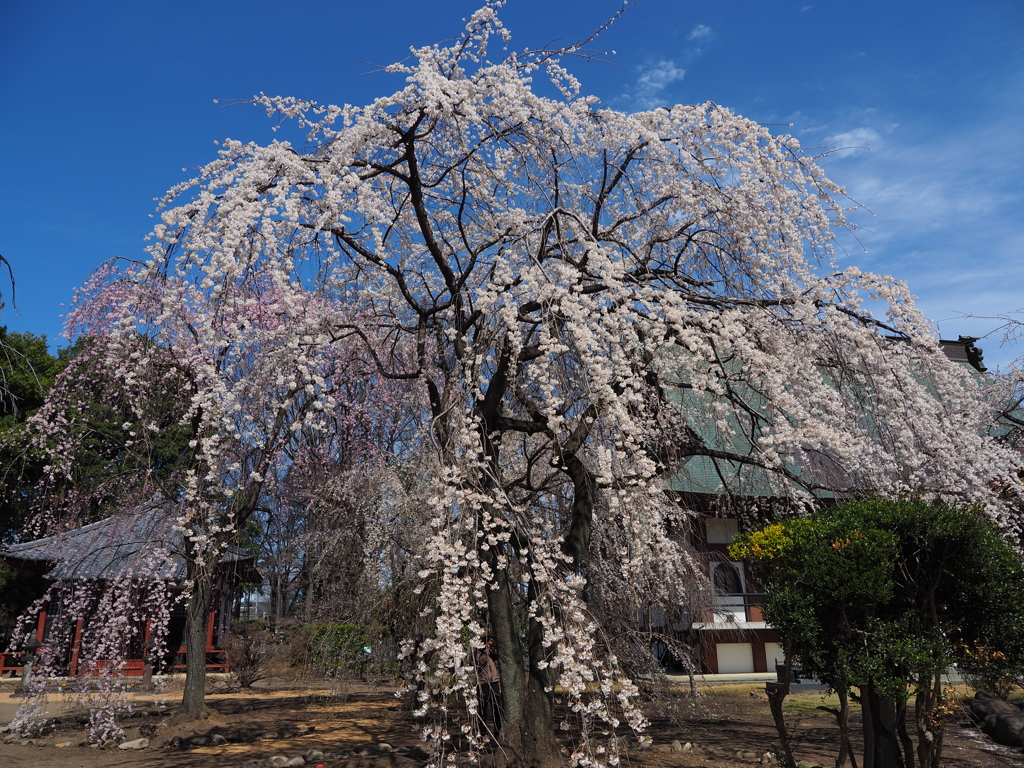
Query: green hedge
point(331, 648)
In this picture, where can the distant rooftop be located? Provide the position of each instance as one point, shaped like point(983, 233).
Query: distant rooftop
point(141, 543)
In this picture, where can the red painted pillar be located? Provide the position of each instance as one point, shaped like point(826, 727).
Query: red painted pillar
point(76, 648)
point(41, 625)
point(209, 631)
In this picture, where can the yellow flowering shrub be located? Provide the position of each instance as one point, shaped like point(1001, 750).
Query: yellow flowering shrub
point(768, 543)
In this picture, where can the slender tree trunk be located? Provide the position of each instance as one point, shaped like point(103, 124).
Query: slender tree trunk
point(275, 601)
point(936, 757)
point(845, 747)
point(929, 735)
point(197, 611)
point(777, 693)
point(901, 729)
point(843, 721)
point(869, 730)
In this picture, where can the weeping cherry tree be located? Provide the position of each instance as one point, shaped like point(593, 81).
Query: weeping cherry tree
point(581, 301)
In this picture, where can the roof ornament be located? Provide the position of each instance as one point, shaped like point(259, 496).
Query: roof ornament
point(974, 355)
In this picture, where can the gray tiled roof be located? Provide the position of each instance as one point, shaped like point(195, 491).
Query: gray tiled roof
point(140, 543)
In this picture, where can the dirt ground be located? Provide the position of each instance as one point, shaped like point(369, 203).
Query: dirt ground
point(727, 726)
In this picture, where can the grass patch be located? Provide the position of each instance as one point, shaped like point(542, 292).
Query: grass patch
point(800, 704)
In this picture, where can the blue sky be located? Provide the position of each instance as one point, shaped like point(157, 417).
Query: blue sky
point(105, 103)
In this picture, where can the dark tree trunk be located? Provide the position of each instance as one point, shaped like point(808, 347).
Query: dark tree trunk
point(511, 666)
point(901, 729)
point(540, 683)
point(929, 735)
point(843, 718)
point(843, 721)
point(197, 611)
point(777, 693)
point(527, 730)
point(881, 742)
point(527, 684)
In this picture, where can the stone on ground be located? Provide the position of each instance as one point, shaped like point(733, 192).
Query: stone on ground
point(134, 744)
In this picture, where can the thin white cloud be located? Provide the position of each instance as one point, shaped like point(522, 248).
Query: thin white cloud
point(701, 32)
point(855, 141)
point(654, 78)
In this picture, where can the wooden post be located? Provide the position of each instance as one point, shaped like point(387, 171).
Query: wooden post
point(147, 656)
